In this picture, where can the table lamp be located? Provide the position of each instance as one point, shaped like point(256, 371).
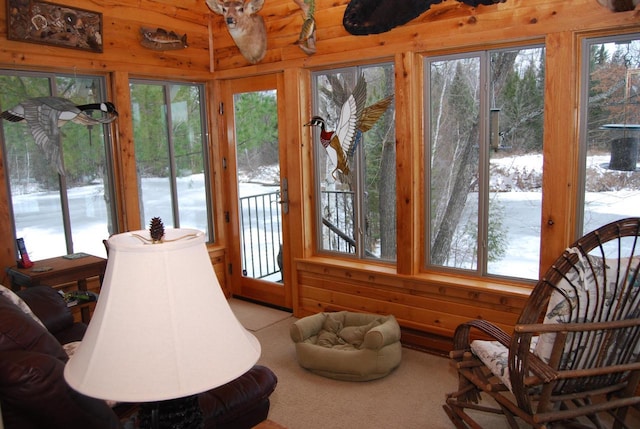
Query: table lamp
point(162, 328)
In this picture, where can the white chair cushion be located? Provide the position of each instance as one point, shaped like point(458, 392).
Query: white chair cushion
point(495, 357)
point(576, 299)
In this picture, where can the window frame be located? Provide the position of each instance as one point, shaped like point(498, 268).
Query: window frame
point(358, 205)
point(586, 42)
point(484, 131)
point(109, 187)
point(166, 86)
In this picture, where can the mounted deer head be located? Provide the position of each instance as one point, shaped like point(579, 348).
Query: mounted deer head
point(246, 27)
point(619, 5)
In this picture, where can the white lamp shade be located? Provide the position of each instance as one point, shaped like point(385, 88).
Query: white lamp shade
point(162, 328)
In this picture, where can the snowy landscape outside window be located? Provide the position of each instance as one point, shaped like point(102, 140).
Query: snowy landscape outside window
point(55, 214)
point(484, 132)
point(611, 131)
point(169, 135)
point(356, 212)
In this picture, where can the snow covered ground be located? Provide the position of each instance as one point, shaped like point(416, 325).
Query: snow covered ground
point(38, 216)
point(523, 174)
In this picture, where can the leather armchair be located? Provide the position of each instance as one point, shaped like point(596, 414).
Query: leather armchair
point(34, 394)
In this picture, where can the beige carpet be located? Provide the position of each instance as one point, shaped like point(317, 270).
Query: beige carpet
point(255, 317)
point(410, 397)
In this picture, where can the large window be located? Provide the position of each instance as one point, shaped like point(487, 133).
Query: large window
point(170, 143)
point(484, 129)
point(355, 188)
point(611, 130)
point(58, 214)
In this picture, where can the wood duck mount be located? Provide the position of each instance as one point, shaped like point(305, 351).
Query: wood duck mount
point(245, 26)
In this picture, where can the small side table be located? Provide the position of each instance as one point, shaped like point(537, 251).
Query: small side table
point(59, 270)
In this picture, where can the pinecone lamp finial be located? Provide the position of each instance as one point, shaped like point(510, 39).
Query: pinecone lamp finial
point(156, 230)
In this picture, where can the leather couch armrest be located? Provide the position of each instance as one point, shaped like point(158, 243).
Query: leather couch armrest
point(245, 399)
point(49, 306)
point(33, 389)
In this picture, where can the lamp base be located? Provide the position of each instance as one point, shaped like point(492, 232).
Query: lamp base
point(181, 413)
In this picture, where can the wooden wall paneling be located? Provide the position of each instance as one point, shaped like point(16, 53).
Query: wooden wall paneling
point(185, 10)
point(219, 262)
point(356, 271)
point(122, 50)
point(8, 254)
point(125, 156)
point(561, 147)
point(216, 137)
point(450, 24)
point(422, 306)
point(225, 147)
point(122, 34)
point(298, 147)
point(217, 252)
point(436, 316)
point(497, 299)
point(408, 163)
point(475, 304)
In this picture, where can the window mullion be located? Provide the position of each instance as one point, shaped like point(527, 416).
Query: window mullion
point(483, 160)
point(62, 186)
point(359, 203)
point(172, 158)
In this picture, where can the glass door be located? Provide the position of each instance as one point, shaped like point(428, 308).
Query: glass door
point(258, 190)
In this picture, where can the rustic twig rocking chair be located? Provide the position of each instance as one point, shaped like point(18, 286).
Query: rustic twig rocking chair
point(574, 356)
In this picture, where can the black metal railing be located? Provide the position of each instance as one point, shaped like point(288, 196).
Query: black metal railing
point(261, 229)
point(338, 221)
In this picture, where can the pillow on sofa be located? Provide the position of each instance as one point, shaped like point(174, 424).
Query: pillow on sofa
point(19, 331)
point(47, 304)
point(11, 296)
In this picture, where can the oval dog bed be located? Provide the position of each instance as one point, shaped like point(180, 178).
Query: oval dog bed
point(348, 346)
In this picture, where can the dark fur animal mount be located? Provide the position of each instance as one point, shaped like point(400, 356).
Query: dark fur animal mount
point(363, 17)
point(619, 5)
point(160, 39)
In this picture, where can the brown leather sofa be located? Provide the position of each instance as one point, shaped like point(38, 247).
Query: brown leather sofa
point(34, 394)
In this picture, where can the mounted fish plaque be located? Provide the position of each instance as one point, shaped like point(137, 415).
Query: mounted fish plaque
point(160, 39)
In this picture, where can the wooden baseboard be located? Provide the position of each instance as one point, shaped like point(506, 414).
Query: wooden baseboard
point(426, 342)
